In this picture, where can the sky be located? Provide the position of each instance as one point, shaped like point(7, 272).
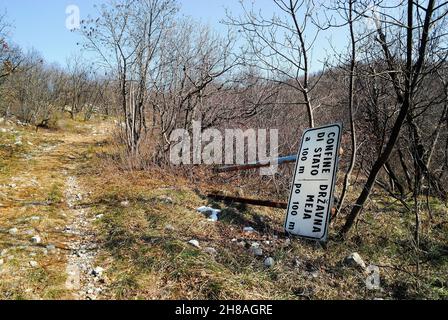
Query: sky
point(42, 24)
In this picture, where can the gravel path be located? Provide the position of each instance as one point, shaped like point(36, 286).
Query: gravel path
point(84, 278)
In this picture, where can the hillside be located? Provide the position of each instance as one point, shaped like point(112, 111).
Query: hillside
point(73, 225)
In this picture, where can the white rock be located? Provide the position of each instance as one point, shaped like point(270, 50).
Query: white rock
point(256, 251)
point(194, 243)
point(355, 260)
point(248, 230)
point(97, 272)
point(99, 216)
point(124, 204)
point(166, 199)
point(36, 239)
point(169, 227)
point(34, 264)
point(211, 251)
point(269, 262)
point(13, 231)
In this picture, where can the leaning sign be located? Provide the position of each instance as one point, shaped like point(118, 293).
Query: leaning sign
point(312, 188)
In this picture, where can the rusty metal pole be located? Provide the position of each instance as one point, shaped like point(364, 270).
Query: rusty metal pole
point(281, 160)
point(255, 202)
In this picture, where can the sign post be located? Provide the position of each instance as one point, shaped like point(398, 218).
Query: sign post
point(312, 190)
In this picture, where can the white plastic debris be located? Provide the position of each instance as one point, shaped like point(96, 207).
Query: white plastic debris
point(248, 230)
point(212, 213)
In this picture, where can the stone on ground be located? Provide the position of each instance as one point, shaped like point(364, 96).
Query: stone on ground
point(36, 239)
point(194, 243)
point(269, 262)
point(34, 264)
point(211, 251)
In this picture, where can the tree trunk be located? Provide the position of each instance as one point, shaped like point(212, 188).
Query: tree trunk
point(351, 112)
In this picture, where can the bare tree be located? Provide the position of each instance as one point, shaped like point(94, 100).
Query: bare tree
point(77, 84)
point(406, 78)
point(194, 68)
point(126, 36)
point(346, 12)
point(10, 54)
point(280, 47)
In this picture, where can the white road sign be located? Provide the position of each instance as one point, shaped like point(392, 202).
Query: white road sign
point(312, 188)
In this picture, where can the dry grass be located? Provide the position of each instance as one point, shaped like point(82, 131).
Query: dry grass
point(32, 184)
point(145, 260)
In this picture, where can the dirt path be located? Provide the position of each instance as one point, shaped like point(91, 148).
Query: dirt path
point(47, 244)
point(84, 278)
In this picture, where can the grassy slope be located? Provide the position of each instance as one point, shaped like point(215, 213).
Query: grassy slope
point(145, 260)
